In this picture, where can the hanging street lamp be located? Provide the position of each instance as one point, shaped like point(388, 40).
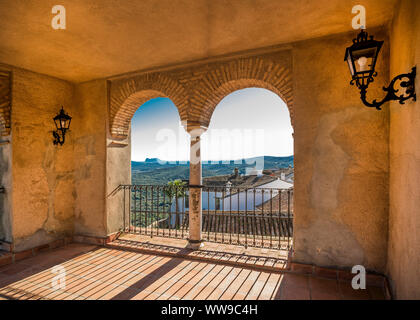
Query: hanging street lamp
point(62, 123)
point(361, 57)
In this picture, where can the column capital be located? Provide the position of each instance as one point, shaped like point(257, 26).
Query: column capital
point(194, 128)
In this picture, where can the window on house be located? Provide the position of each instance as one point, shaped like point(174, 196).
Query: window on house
point(218, 203)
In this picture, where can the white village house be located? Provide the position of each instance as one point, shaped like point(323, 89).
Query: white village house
point(234, 192)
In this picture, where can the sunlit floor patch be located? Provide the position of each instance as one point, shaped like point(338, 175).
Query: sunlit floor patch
point(80, 272)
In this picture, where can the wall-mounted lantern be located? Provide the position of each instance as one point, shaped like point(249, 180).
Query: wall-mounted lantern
point(62, 123)
point(361, 57)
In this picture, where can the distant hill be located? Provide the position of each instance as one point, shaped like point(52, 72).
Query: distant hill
point(157, 172)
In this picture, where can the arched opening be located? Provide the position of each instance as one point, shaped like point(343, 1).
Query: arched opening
point(148, 147)
point(159, 169)
point(196, 96)
point(248, 170)
point(252, 113)
point(281, 85)
point(159, 144)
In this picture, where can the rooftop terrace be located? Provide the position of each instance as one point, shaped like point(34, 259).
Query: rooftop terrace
point(112, 273)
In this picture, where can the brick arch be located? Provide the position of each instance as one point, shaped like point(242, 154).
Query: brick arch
point(5, 102)
point(196, 90)
point(240, 74)
point(127, 96)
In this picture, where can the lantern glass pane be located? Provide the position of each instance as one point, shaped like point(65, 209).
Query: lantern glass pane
point(57, 123)
point(350, 63)
point(364, 60)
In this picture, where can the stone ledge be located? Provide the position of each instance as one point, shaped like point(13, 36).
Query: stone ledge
point(6, 246)
point(372, 279)
point(12, 256)
point(5, 259)
point(102, 241)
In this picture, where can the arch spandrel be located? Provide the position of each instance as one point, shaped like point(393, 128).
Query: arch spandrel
point(196, 90)
point(127, 96)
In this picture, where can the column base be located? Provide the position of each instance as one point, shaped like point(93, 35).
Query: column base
point(195, 244)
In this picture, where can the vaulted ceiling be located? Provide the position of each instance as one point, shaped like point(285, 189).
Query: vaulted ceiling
point(109, 37)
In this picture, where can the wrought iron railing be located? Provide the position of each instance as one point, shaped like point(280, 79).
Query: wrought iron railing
point(152, 210)
point(256, 217)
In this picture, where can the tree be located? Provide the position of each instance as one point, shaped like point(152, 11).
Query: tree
point(175, 190)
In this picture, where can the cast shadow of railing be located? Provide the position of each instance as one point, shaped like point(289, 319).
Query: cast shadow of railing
point(221, 257)
point(37, 272)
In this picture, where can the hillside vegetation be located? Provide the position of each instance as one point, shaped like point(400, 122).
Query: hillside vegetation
point(154, 172)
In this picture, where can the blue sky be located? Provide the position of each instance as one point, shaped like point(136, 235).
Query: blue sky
point(247, 123)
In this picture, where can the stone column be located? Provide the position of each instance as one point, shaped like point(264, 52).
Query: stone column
point(195, 208)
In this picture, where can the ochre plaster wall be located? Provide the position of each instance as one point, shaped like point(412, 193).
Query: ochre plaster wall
point(404, 218)
point(118, 166)
point(341, 159)
point(90, 158)
point(102, 164)
point(6, 183)
point(42, 188)
point(109, 37)
point(53, 191)
point(5, 155)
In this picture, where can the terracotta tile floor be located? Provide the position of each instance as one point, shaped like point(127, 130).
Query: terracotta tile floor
point(105, 273)
point(265, 258)
point(211, 246)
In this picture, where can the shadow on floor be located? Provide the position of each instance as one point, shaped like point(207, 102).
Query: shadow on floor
point(103, 273)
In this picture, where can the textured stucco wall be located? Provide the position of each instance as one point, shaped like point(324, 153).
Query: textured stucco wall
point(6, 183)
point(102, 164)
point(404, 222)
point(90, 158)
point(5, 155)
point(43, 174)
point(108, 37)
point(341, 159)
point(118, 173)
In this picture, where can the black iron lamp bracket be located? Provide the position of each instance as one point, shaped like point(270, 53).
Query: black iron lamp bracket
point(62, 122)
point(407, 81)
point(58, 139)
